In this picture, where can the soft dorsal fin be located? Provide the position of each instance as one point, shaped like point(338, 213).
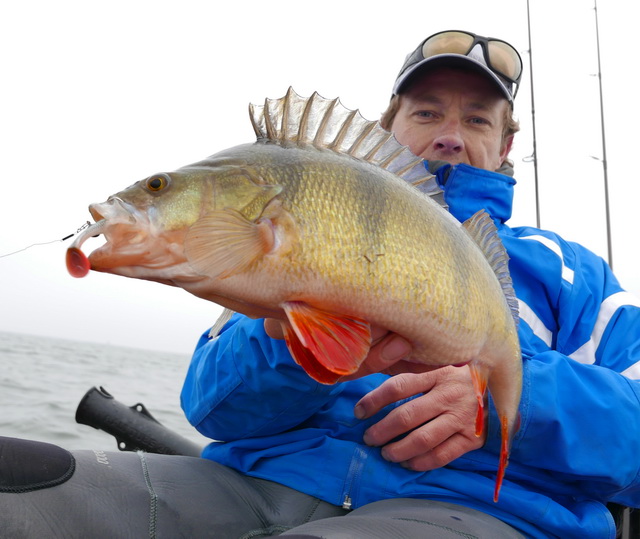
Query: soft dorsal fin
point(327, 124)
point(482, 229)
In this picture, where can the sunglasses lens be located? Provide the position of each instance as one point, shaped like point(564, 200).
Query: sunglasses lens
point(505, 60)
point(498, 56)
point(447, 42)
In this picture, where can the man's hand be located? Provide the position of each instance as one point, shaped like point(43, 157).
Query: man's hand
point(440, 422)
point(273, 328)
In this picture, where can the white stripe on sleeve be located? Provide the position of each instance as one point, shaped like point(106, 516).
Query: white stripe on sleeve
point(587, 352)
point(567, 273)
point(537, 326)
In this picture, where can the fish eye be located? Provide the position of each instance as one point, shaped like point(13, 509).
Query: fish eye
point(157, 183)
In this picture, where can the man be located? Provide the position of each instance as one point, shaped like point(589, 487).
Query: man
point(401, 450)
point(379, 456)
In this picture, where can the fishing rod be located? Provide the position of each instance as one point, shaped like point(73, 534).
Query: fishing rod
point(604, 144)
point(534, 156)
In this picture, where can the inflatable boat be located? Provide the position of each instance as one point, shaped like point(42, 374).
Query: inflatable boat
point(139, 491)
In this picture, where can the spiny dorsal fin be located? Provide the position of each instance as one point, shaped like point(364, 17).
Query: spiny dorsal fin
point(326, 123)
point(482, 229)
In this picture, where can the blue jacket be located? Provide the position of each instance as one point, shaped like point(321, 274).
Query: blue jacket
point(578, 446)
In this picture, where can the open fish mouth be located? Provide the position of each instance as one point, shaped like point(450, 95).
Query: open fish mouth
point(113, 219)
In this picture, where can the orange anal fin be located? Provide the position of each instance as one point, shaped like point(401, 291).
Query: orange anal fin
point(504, 456)
point(78, 264)
point(338, 343)
point(479, 379)
point(480, 420)
point(307, 360)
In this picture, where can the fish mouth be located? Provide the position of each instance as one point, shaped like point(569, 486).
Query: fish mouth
point(124, 230)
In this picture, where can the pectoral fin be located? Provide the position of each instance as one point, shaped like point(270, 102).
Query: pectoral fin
point(224, 243)
point(338, 344)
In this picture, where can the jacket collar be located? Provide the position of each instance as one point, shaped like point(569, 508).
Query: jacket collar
point(468, 189)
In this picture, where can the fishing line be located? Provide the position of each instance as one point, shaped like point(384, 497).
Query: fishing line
point(85, 225)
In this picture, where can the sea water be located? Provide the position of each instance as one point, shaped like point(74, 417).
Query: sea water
point(42, 381)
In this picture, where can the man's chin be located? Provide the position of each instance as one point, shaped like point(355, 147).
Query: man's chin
point(455, 159)
point(447, 159)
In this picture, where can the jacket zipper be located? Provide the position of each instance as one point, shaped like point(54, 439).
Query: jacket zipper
point(355, 468)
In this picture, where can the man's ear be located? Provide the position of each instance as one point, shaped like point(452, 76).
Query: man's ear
point(506, 148)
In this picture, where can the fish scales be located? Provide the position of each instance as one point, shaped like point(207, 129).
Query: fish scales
point(369, 249)
point(312, 225)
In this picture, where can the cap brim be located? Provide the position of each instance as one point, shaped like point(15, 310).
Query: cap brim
point(450, 60)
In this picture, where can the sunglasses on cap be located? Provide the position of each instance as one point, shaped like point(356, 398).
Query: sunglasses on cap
point(494, 56)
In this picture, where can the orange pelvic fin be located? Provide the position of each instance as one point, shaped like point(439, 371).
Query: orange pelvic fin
point(307, 360)
point(479, 378)
point(337, 343)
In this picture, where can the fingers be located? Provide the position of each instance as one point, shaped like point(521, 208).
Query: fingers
point(399, 421)
point(402, 386)
point(433, 428)
point(387, 349)
point(433, 445)
point(273, 328)
point(441, 454)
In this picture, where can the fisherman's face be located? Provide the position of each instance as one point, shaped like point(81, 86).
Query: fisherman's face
point(455, 116)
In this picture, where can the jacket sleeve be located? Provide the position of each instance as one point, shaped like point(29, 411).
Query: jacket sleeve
point(244, 384)
point(580, 408)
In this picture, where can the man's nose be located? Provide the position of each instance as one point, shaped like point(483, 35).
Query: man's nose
point(449, 140)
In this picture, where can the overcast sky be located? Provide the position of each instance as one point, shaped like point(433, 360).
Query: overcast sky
point(95, 96)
